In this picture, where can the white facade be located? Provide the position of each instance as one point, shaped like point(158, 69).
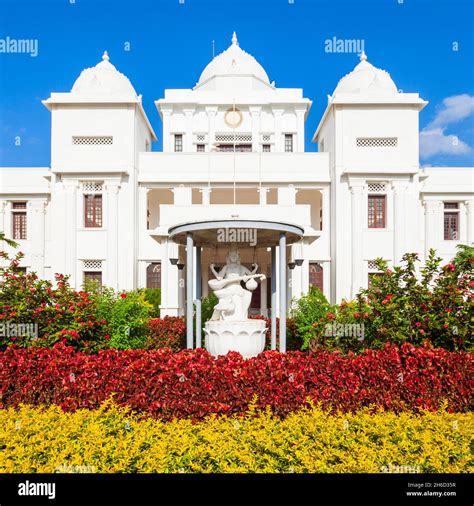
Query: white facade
point(362, 196)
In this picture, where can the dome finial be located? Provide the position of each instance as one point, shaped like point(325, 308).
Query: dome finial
point(105, 56)
point(363, 56)
point(235, 42)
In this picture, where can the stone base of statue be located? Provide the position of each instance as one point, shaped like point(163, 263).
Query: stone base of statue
point(246, 337)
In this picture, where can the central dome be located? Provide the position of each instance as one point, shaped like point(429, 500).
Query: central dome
point(234, 61)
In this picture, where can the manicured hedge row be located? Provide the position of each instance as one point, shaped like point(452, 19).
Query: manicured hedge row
point(192, 383)
point(112, 439)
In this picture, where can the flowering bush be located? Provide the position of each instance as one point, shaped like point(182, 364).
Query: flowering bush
point(167, 332)
point(125, 315)
point(193, 383)
point(402, 306)
point(114, 440)
point(57, 313)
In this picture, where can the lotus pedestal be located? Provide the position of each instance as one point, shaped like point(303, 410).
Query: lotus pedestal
point(246, 337)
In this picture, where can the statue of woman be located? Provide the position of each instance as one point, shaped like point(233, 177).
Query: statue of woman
point(234, 300)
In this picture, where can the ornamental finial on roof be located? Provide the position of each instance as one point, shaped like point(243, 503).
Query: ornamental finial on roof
point(234, 39)
point(105, 56)
point(363, 56)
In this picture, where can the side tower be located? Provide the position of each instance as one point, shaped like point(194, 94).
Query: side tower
point(370, 130)
point(98, 129)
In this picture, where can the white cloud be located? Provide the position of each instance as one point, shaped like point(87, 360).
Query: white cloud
point(436, 142)
point(454, 109)
point(433, 140)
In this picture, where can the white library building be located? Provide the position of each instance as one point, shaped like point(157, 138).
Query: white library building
point(233, 172)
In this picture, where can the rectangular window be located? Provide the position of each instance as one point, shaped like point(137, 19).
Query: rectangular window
point(178, 143)
point(153, 275)
point(266, 148)
point(201, 148)
point(93, 211)
point(93, 276)
point(377, 211)
point(19, 220)
point(316, 275)
point(239, 148)
point(288, 143)
point(451, 221)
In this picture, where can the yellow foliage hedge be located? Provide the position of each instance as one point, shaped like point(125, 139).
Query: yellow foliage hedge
point(113, 440)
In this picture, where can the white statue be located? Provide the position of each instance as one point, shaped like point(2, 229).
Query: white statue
point(230, 328)
point(234, 300)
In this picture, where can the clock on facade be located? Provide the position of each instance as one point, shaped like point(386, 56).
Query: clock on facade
point(233, 118)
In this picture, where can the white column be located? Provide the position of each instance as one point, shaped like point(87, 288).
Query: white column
point(8, 220)
point(273, 301)
point(3, 212)
point(143, 209)
point(283, 294)
point(469, 221)
point(263, 296)
point(357, 192)
point(189, 290)
point(255, 115)
point(211, 117)
point(172, 279)
point(183, 196)
point(399, 222)
point(188, 137)
point(70, 233)
point(166, 113)
point(287, 195)
point(37, 211)
point(295, 274)
point(326, 279)
point(300, 130)
point(304, 268)
point(326, 208)
point(433, 223)
point(112, 189)
point(206, 195)
point(262, 194)
point(277, 116)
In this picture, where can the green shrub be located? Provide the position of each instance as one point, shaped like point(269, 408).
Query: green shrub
point(126, 315)
point(306, 311)
point(207, 307)
point(153, 296)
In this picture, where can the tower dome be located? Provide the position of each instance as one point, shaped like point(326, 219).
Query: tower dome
point(234, 61)
point(365, 78)
point(104, 78)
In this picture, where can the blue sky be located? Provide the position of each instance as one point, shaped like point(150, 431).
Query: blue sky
point(171, 42)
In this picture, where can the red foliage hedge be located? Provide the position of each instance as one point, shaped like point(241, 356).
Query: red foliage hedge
point(192, 383)
point(167, 332)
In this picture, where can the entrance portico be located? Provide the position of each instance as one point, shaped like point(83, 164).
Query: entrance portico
point(212, 234)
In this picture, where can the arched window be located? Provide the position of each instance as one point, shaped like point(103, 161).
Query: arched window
point(316, 275)
point(153, 275)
